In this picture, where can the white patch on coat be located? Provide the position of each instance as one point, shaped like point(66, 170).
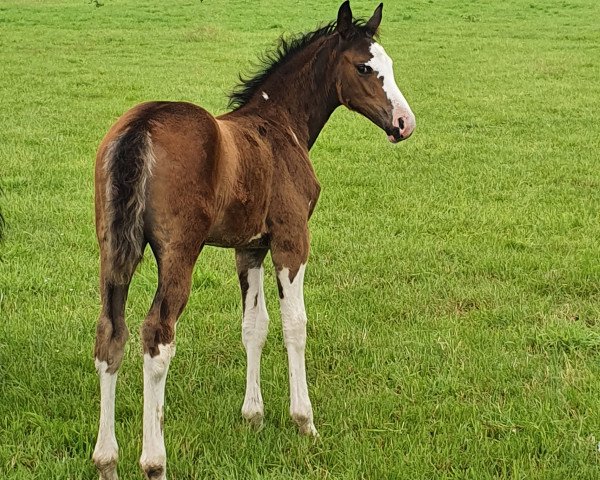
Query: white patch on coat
point(106, 451)
point(155, 377)
point(265, 96)
point(255, 325)
point(382, 64)
point(293, 316)
point(255, 237)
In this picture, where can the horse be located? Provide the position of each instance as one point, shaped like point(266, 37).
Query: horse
point(172, 176)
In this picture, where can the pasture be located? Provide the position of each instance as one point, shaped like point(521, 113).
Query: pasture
point(453, 287)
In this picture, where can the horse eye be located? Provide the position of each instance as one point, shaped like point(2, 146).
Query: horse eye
point(364, 69)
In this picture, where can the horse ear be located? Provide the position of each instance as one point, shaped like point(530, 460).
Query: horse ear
point(344, 19)
point(373, 23)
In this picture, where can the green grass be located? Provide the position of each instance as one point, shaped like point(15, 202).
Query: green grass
point(453, 290)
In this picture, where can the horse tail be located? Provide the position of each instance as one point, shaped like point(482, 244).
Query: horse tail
point(128, 165)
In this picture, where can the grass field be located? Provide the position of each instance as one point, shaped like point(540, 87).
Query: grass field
point(453, 290)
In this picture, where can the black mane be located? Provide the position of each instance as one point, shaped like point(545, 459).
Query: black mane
point(285, 49)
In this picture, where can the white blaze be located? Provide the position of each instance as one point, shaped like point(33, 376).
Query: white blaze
point(382, 64)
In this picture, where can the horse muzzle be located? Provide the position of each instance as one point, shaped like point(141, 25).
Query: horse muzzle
point(403, 126)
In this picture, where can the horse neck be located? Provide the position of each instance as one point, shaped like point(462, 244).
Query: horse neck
point(301, 93)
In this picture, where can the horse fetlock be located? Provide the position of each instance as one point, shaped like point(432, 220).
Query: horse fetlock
point(253, 413)
point(302, 415)
point(309, 430)
point(155, 472)
point(154, 465)
point(305, 424)
point(106, 462)
point(106, 451)
point(108, 474)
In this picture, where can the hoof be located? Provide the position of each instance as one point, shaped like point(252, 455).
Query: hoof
point(253, 411)
point(305, 424)
point(254, 418)
point(154, 465)
point(106, 464)
point(154, 472)
point(107, 471)
point(309, 430)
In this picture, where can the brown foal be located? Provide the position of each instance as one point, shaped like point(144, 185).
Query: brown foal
point(171, 175)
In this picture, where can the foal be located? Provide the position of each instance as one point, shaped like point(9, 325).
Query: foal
point(173, 176)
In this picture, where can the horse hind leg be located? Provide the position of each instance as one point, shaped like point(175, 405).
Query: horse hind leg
point(123, 167)
point(111, 336)
point(158, 339)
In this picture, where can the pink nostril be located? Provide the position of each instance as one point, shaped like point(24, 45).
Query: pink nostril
point(408, 126)
point(399, 122)
point(405, 123)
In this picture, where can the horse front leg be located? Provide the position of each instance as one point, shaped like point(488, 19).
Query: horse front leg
point(255, 325)
point(290, 265)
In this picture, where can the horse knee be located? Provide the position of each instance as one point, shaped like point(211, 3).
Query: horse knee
point(294, 331)
point(255, 327)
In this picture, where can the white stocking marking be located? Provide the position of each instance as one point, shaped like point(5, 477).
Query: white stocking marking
point(293, 316)
point(106, 451)
point(155, 377)
point(255, 325)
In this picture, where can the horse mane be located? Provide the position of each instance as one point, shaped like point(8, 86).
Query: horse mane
point(285, 49)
